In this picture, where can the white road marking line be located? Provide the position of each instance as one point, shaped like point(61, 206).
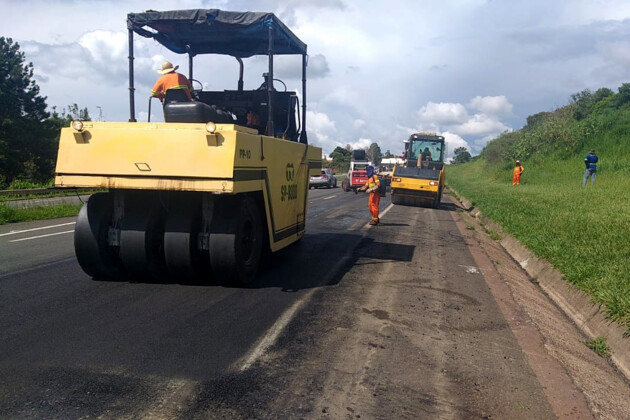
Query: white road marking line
point(272, 334)
point(328, 198)
point(41, 236)
point(386, 210)
point(381, 214)
point(276, 329)
point(15, 232)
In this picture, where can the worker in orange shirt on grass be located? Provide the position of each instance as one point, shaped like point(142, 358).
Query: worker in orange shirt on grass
point(518, 170)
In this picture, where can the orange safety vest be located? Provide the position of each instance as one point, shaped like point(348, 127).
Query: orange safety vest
point(518, 169)
point(374, 182)
point(171, 80)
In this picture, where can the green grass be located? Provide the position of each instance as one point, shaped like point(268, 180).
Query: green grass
point(11, 215)
point(599, 346)
point(583, 232)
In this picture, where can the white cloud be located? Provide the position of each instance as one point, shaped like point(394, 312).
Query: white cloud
point(383, 85)
point(455, 121)
point(317, 66)
point(361, 144)
point(321, 130)
point(491, 105)
point(480, 125)
point(442, 114)
point(358, 123)
point(453, 141)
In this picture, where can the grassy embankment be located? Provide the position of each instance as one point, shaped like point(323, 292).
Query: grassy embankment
point(583, 232)
point(13, 215)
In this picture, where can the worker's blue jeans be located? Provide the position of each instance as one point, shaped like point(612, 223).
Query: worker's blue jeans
point(588, 172)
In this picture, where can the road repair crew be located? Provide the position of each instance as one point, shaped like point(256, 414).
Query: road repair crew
point(518, 170)
point(171, 80)
point(372, 186)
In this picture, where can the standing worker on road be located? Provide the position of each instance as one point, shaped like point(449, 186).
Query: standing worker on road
point(518, 170)
point(372, 186)
point(591, 167)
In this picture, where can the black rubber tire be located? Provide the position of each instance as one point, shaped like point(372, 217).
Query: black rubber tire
point(95, 257)
point(236, 240)
point(438, 200)
point(142, 237)
point(344, 186)
point(396, 200)
point(184, 261)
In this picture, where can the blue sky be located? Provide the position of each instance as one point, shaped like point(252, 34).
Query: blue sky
point(378, 71)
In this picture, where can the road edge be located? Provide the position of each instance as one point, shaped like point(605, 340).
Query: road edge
point(589, 317)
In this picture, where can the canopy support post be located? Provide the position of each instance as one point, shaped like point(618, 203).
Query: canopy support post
point(132, 89)
point(270, 127)
point(303, 136)
point(240, 74)
point(190, 66)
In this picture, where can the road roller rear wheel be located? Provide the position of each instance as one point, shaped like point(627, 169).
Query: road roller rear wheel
point(236, 240)
point(184, 261)
point(95, 257)
point(142, 237)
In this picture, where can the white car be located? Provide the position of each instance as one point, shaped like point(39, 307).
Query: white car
point(326, 179)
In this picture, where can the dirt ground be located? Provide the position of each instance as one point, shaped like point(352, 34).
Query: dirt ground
point(606, 391)
point(439, 335)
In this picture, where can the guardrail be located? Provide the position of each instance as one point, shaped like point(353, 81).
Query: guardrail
point(32, 191)
point(43, 191)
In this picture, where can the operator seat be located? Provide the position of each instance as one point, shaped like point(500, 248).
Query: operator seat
point(178, 108)
point(175, 95)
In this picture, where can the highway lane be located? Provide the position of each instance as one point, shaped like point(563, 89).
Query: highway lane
point(392, 321)
point(55, 319)
point(31, 244)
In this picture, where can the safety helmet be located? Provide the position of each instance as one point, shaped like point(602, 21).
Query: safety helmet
point(370, 170)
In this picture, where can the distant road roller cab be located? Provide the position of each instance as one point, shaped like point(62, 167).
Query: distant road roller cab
point(200, 196)
point(419, 181)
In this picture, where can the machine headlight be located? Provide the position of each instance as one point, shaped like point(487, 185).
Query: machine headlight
point(434, 183)
point(396, 179)
point(211, 127)
point(77, 125)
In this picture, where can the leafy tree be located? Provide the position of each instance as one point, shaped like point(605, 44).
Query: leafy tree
point(374, 154)
point(23, 131)
point(341, 158)
point(623, 95)
point(461, 155)
point(388, 154)
point(586, 101)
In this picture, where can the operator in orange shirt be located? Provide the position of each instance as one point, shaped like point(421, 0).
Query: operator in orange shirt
point(372, 186)
point(518, 170)
point(171, 80)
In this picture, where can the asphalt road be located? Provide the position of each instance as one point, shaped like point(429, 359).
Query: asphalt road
point(392, 321)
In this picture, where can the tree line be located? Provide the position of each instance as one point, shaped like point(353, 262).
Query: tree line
point(29, 134)
point(342, 156)
point(566, 131)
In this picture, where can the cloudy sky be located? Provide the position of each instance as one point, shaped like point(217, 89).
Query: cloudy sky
point(378, 70)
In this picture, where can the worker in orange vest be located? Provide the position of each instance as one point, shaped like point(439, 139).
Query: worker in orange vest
point(372, 186)
point(171, 80)
point(518, 170)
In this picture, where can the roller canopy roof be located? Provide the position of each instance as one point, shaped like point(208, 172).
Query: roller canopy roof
point(213, 31)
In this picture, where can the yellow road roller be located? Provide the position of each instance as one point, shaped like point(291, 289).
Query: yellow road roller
point(419, 181)
point(201, 196)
